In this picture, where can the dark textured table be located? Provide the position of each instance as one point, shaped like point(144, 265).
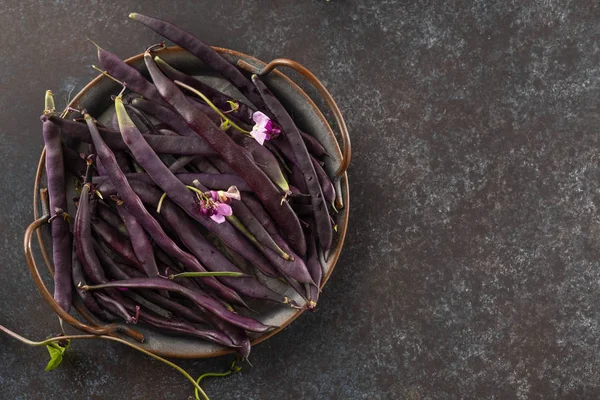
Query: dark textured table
point(471, 265)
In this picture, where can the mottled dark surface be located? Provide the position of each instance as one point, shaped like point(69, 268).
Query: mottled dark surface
point(471, 265)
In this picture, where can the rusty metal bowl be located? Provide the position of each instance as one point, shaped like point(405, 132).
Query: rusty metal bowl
point(95, 97)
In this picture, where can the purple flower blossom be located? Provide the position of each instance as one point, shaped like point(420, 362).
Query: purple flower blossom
point(221, 210)
point(216, 204)
point(264, 129)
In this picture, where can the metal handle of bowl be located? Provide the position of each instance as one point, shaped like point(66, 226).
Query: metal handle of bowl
point(309, 76)
point(37, 278)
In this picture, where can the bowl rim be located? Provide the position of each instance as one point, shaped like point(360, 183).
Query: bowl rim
point(342, 226)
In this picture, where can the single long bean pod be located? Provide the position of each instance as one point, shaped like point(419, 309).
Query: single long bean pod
point(211, 181)
point(162, 144)
point(202, 300)
point(315, 269)
point(139, 241)
point(321, 215)
point(326, 186)
point(82, 230)
point(238, 158)
point(137, 209)
point(126, 73)
point(61, 237)
point(173, 187)
point(204, 52)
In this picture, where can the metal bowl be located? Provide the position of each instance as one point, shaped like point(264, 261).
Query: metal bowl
point(95, 97)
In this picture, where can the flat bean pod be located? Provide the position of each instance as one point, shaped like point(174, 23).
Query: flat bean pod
point(61, 237)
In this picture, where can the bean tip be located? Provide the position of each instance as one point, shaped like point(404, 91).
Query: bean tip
point(292, 303)
point(133, 16)
point(49, 106)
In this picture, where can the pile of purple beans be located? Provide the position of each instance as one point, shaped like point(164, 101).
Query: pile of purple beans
point(188, 201)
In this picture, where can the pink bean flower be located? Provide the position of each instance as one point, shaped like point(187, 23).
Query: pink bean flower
point(217, 206)
point(263, 128)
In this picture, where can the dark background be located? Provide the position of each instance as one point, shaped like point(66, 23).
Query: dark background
point(471, 264)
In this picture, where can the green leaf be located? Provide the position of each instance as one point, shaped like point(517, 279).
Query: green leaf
point(56, 352)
